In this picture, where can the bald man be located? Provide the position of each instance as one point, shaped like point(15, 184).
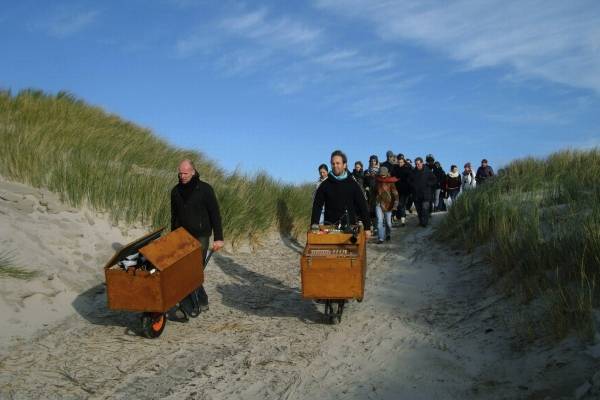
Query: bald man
point(194, 206)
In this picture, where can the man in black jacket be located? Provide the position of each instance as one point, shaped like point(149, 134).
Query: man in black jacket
point(340, 193)
point(422, 180)
point(194, 206)
point(403, 188)
point(484, 172)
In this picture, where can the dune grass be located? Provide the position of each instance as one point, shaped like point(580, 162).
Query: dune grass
point(539, 221)
point(97, 159)
point(9, 269)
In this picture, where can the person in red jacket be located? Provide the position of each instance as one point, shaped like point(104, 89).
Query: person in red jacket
point(386, 202)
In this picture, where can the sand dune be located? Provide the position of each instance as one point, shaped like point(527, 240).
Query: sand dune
point(433, 325)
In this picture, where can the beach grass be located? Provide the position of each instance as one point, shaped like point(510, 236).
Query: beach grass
point(96, 159)
point(9, 268)
point(539, 223)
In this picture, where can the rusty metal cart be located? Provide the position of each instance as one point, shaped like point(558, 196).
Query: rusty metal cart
point(171, 270)
point(333, 268)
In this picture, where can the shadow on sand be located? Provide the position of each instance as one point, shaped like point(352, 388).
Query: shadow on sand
point(258, 294)
point(92, 305)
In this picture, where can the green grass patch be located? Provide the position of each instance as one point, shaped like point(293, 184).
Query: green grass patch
point(539, 220)
point(9, 269)
point(97, 159)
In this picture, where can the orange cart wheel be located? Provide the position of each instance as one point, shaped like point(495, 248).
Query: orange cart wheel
point(153, 324)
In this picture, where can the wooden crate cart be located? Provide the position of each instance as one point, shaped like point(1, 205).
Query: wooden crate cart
point(333, 268)
point(171, 268)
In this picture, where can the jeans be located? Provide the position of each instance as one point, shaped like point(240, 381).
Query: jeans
point(381, 231)
point(452, 195)
point(436, 199)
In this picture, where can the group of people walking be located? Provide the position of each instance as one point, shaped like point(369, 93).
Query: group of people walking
point(392, 187)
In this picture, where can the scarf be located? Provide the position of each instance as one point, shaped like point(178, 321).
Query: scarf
point(453, 174)
point(186, 190)
point(341, 177)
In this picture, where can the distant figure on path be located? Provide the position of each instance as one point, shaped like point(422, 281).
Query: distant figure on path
point(341, 195)
point(194, 206)
point(484, 172)
point(468, 178)
point(390, 161)
point(403, 188)
point(423, 181)
point(387, 202)
point(370, 183)
point(323, 172)
point(452, 185)
point(359, 174)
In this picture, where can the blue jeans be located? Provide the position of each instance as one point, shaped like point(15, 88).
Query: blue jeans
point(381, 231)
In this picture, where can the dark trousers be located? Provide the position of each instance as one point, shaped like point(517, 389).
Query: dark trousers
point(198, 297)
point(402, 202)
point(422, 207)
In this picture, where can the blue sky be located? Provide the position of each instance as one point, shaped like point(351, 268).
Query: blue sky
point(277, 86)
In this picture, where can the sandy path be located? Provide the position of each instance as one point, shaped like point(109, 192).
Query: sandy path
point(430, 327)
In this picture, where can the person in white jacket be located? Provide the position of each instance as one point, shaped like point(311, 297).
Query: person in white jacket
point(468, 178)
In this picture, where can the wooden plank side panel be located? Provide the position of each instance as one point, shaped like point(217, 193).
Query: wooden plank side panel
point(165, 252)
point(328, 238)
point(133, 292)
point(328, 278)
point(182, 278)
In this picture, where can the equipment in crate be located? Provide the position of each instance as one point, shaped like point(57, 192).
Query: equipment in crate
point(152, 274)
point(333, 267)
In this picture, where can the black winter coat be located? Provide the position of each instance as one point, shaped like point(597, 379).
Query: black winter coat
point(199, 215)
point(422, 181)
point(360, 177)
point(483, 173)
point(404, 175)
point(338, 196)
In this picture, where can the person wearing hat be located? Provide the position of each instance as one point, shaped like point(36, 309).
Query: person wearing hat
point(341, 196)
point(390, 162)
point(387, 201)
point(468, 178)
point(484, 172)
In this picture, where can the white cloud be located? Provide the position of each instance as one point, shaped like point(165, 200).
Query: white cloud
point(554, 40)
point(352, 59)
point(66, 22)
point(282, 32)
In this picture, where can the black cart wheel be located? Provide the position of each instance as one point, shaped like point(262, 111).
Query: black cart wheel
point(331, 316)
point(153, 324)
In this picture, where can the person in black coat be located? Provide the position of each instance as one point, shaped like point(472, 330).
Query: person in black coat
point(403, 187)
point(484, 172)
point(422, 181)
point(194, 207)
point(341, 194)
point(359, 174)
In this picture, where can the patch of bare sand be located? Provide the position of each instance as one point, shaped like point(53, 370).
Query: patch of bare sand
point(432, 326)
point(64, 246)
